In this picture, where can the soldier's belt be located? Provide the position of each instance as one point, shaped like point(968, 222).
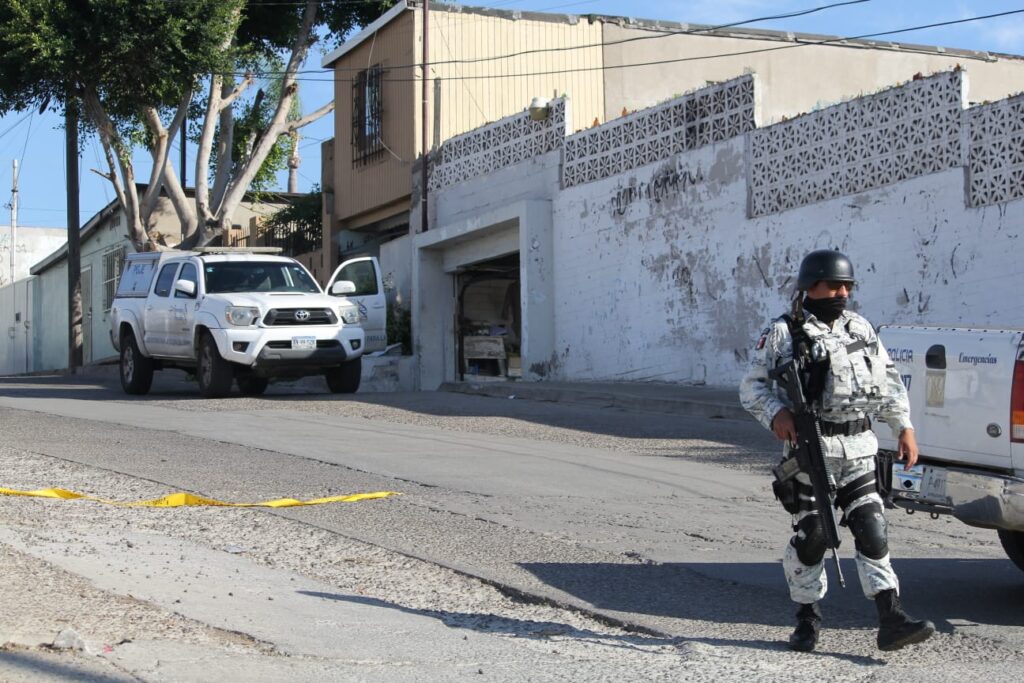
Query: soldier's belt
point(845, 428)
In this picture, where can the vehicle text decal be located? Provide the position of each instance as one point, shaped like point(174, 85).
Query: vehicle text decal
point(974, 360)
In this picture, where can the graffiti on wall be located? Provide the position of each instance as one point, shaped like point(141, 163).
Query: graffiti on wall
point(665, 183)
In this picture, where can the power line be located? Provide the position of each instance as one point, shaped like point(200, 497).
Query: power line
point(659, 33)
point(17, 123)
point(28, 135)
point(835, 42)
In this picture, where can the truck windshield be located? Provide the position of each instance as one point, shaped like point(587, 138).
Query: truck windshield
point(258, 276)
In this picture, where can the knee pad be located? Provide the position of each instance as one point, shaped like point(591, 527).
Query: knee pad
point(810, 545)
point(867, 523)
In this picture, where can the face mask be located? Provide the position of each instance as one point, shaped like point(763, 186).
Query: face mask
point(826, 310)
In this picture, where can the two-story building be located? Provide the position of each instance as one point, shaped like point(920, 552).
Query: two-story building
point(485, 64)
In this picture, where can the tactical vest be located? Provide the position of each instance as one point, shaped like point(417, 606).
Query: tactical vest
point(857, 380)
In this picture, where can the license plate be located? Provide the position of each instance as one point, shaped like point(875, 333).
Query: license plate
point(907, 480)
point(304, 343)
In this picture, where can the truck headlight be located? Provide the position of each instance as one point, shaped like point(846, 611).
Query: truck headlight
point(349, 314)
point(242, 315)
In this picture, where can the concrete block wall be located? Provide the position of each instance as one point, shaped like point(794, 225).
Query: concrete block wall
point(670, 270)
point(679, 290)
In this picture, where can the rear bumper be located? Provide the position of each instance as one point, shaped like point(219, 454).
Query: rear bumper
point(986, 500)
point(975, 497)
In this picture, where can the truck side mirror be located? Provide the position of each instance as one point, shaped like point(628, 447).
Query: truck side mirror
point(342, 287)
point(186, 287)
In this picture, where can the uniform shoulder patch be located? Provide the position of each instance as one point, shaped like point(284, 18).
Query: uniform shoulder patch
point(763, 339)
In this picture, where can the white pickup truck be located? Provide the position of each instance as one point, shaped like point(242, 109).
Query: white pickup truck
point(245, 315)
point(967, 405)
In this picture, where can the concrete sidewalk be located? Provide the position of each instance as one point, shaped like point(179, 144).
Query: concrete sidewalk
point(677, 399)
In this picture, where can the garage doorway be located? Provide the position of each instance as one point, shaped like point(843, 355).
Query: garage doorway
point(488, 327)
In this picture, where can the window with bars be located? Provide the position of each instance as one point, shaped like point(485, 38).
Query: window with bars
point(113, 264)
point(367, 115)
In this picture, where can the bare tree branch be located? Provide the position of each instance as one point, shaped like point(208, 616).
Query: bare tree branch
point(179, 200)
point(160, 149)
point(225, 148)
point(229, 99)
point(310, 118)
point(114, 146)
point(205, 146)
point(278, 124)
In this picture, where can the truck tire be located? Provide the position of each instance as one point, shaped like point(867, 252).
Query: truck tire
point(136, 369)
point(344, 379)
point(214, 373)
point(1013, 544)
point(251, 385)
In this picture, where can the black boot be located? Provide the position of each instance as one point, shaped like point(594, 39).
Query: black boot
point(896, 628)
point(808, 622)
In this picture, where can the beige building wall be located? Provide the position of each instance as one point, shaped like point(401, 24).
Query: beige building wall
point(384, 179)
point(462, 96)
point(793, 80)
point(552, 56)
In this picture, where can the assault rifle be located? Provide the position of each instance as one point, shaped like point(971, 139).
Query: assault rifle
point(810, 457)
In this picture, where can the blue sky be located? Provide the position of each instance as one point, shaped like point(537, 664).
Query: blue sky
point(38, 140)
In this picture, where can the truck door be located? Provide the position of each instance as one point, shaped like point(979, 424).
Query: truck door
point(182, 313)
point(156, 320)
point(369, 296)
point(959, 383)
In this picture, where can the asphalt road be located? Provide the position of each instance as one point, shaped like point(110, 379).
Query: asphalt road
point(532, 541)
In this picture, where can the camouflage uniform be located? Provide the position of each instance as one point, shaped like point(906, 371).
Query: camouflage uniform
point(862, 382)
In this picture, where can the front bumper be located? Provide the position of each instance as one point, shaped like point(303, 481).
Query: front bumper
point(268, 351)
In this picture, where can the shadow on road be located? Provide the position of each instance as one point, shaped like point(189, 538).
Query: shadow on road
point(983, 591)
point(489, 623)
point(53, 665)
point(745, 440)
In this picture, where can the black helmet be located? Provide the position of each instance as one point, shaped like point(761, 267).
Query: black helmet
point(824, 264)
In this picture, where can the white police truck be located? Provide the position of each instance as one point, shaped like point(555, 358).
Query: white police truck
point(242, 315)
point(967, 404)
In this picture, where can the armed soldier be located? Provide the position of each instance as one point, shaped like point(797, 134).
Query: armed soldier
point(847, 379)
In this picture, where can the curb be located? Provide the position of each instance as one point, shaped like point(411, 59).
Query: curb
point(602, 399)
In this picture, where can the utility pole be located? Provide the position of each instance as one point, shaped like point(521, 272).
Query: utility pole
point(183, 141)
point(74, 248)
point(14, 219)
point(14, 249)
point(423, 116)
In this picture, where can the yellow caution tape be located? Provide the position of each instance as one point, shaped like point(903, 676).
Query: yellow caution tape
point(179, 499)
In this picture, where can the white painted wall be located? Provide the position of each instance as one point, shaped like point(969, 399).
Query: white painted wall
point(34, 244)
point(500, 212)
point(16, 314)
point(679, 290)
point(50, 308)
point(668, 271)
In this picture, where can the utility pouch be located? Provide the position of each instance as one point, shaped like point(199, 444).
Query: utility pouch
point(785, 487)
point(883, 475)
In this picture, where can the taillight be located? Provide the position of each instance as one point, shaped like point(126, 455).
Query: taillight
point(1017, 404)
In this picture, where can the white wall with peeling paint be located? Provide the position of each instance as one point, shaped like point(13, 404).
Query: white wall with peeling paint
point(678, 289)
point(668, 271)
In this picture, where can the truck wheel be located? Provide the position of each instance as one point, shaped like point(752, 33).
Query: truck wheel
point(136, 369)
point(344, 379)
point(214, 373)
point(251, 385)
point(1013, 544)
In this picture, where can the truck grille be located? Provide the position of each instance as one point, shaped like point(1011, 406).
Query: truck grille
point(300, 316)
